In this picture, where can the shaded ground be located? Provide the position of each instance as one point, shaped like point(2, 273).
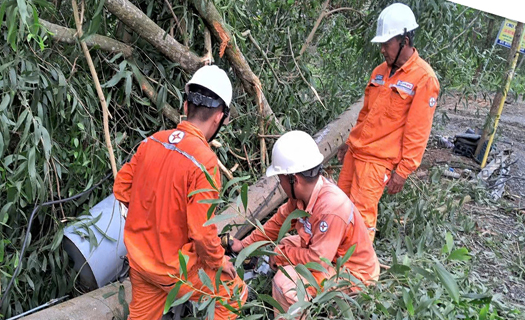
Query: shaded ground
point(498, 246)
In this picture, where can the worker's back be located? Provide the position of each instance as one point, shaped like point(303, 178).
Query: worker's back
point(165, 171)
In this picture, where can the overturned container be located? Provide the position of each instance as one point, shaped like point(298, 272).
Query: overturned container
point(96, 244)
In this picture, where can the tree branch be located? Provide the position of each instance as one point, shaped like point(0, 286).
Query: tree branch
point(250, 81)
point(101, 97)
point(66, 35)
point(314, 29)
point(139, 22)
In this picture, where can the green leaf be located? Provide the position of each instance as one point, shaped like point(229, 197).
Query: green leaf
point(211, 209)
point(247, 251)
point(22, 9)
point(348, 254)
point(234, 181)
point(271, 301)
point(447, 248)
point(1, 251)
point(303, 271)
point(5, 101)
point(288, 222)
point(210, 179)
point(448, 281)
point(183, 299)
point(219, 218)
point(316, 266)
point(183, 260)
point(172, 295)
point(460, 254)
point(200, 191)
point(244, 196)
point(31, 167)
point(205, 279)
point(400, 269)
point(57, 239)
point(210, 312)
point(218, 279)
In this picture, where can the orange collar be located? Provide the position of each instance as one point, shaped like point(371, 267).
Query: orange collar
point(410, 62)
point(190, 128)
point(315, 195)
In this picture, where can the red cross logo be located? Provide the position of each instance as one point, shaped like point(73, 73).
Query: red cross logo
point(176, 136)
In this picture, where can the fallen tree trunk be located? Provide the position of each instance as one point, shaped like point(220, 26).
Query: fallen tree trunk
point(266, 194)
point(250, 81)
point(139, 22)
point(104, 303)
point(67, 35)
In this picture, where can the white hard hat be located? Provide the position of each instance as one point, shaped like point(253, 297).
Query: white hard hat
point(394, 20)
point(214, 79)
point(294, 152)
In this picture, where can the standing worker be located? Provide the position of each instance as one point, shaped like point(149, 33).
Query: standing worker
point(394, 124)
point(333, 226)
point(162, 218)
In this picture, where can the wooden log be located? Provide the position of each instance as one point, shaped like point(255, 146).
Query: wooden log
point(266, 194)
point(103, 303)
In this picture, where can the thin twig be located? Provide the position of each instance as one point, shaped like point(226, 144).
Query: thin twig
point(343, 9)
point(252, 39)
point(302, 76)
point(58, 189)
point(247, 158)
point(455, 38)
point(174, 17)
point(105, 112)
point(314, 29)
point(274, 136)
point(236, 155)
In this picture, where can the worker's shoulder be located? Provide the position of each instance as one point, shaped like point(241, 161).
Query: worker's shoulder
point(424, 69)
point(380, 69)
point(189, 144)
point(333, 201)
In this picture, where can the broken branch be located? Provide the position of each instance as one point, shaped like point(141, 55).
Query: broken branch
point(67, 35)
point(139, 22)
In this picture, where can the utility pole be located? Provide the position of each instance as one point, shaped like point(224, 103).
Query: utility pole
point(491, 124)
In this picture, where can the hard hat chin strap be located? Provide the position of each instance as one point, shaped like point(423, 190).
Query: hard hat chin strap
point(291, 179)
point(401, 46)
point(224, 116)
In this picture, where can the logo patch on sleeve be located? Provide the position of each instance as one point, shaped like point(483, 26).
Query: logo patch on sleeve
point(176, 137)
point(323, 226)
point(405, 84)
point(432, 102)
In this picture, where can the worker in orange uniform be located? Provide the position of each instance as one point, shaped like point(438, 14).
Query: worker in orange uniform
point(163, 219)
point(332, 227)
point(388, 141)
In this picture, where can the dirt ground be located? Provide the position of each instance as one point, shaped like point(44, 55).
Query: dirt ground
point(498, 246)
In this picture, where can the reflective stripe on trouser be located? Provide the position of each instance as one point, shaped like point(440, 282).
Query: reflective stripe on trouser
point(149, 293)
point(364, 183)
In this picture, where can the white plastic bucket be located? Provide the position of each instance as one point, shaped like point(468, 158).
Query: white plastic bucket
point(98, 264)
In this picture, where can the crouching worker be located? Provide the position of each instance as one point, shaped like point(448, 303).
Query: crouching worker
point(333, 226)
point(163, 219)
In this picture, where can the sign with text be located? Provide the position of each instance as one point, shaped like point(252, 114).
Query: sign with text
point(506, 33)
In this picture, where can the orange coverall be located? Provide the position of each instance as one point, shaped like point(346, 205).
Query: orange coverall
point(333, 227)
point(392, 131)
point(162, 220)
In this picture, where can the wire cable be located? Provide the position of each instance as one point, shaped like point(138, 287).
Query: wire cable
point(28, 232)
